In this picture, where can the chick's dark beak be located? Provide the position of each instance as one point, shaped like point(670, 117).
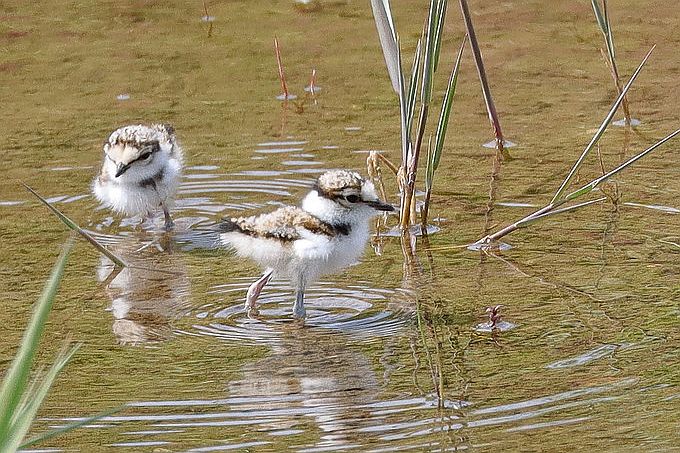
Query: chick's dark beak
point(121, 168)
point(380, 206)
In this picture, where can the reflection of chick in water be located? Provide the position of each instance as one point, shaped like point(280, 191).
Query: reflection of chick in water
point(311, 374)
point(148, 294)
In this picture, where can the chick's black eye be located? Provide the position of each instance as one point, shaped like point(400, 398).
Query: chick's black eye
point(352, 198)
point(145, 156)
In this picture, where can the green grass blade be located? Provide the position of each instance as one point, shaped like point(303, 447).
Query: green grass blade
point(600, 131)
point(430, 168)
point(16, 378)
point(71, 426)
point(26, 414)
point(413, 86)
point(593, 184)
point(388, 39)
point(403, 109)
point(441, 16)
point(73, 226)
point(428, 60)
point(599, 16)
point(443, 123)
point(609, 38)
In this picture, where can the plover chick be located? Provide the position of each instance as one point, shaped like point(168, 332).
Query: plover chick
point(141, 170)
point(328, 233)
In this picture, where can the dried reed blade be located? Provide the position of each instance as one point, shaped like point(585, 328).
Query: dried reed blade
point(73, 226)
point(596, 182)
point(606, 29)
point(486, 90)
point(600, 131)
point(587, 188)
point(393, 168)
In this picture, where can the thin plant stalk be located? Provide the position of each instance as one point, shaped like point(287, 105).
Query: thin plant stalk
point(430, 37)
point(416, 70)
point(208, 19)
point(605, 123)
point(583, 190)
point(405, 114)
point(282, 75)
point(420, 82)
point(312, 83)
point(393, 168)
point(602, 17)
point(434, 154)
point(73, 226)
point(486, 90)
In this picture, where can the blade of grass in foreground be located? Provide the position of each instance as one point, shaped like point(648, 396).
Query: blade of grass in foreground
point(71, 426)
point(16, 379)
point(26, 413)
point(73, 226)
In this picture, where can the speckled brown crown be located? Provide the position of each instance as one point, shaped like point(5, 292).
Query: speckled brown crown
point(140, 134)
point(333, 182)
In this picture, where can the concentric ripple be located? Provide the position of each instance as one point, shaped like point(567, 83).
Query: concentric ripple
point(358, 310)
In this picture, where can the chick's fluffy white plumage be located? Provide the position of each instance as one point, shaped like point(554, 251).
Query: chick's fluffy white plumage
point(141, 169)
point(328, 233)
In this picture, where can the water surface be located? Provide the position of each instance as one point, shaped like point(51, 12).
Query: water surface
point(393, 356)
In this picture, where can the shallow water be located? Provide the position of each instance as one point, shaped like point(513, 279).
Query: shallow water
point(393, 356)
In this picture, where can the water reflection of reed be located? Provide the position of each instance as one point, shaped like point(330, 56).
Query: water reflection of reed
point(150, 293)
point(494, 182)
